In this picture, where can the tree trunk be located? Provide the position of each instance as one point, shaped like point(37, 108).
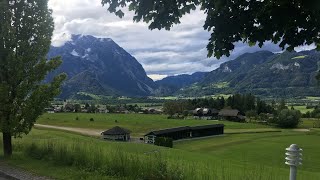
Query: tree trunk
point(7, 144)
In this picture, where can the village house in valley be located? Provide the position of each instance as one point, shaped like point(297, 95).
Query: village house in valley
point(205, 113)
point(231, 115)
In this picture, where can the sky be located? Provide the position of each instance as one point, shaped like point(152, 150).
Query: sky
point(182, 50)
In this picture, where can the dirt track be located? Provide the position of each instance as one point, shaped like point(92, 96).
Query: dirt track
point(89, 132)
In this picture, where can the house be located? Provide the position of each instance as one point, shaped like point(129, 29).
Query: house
point(102, 110)
point(208, 113)
point(116, 134)
point(122, 110)
point(185, 132)
point(49, 110)
point(68, 107)
point(232, 115)
point(197, 112)
point(205, 113)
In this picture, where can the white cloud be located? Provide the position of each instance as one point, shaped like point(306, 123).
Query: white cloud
point(157, 77)
point(179, 51)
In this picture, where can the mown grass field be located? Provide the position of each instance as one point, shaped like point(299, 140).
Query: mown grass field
point(63, 155)
point(303, 109)
point(139, 124)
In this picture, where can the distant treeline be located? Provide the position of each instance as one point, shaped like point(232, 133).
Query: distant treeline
point(244, 103)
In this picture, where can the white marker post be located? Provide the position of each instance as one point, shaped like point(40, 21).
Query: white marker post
point(293, 159)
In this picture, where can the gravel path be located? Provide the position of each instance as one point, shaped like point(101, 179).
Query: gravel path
point(8, 172)
point(89, 132)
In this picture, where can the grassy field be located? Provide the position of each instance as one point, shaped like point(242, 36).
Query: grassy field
point(314, 98)
point(63, 155)
point(139, 124)
point(246, 155)
point(302, 109)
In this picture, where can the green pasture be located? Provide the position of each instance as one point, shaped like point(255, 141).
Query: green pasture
point(309, 122)
point(139, 124)
point(303, 109)
point(299, 57)
point(313, 98)
point(261, 149)
point(253, 156)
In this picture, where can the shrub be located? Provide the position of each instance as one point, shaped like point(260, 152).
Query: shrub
point(164, 141)
point(288, 118)
point(77, 118)
point(91, 119)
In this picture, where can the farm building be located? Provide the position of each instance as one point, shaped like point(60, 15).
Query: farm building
point(207, 130)
point(205, 113)
point(232, 115)
point(185, 132)
point(102, 110)
point(117, 134)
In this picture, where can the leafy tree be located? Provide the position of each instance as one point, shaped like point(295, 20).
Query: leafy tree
point(282, 105)
point(25, 34)
point(288, 118)
point(251, 114)
point(77, 108)
point(289, 23)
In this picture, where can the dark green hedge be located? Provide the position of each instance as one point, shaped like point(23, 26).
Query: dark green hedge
point(164, 141)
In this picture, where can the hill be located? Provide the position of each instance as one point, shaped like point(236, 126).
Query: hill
point(263, 73)
point(173, 83)
point(100, 66)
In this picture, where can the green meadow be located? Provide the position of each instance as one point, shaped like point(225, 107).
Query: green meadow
point(63, 155)
point(303, 109)
point(139, 124)
point(241, 153)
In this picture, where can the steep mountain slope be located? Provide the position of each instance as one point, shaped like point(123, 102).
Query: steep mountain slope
point(99, 66)
point(263, 73)
point(174, 83)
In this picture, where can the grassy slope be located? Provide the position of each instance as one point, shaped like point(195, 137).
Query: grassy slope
point(258, 156)
point(258, 149)
point(139, 124)
point(233, 156)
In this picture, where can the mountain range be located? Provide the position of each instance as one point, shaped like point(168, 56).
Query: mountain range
point(99, 66)
point(263, 73)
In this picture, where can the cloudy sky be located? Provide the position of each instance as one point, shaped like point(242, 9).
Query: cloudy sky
point(162, 53)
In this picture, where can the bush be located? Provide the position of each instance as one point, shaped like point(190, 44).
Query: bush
point(91, 119)
point(77, 118)
point(164, 141)
point(288, 118)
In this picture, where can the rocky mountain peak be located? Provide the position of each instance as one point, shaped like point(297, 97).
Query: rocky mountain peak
point(114, 69)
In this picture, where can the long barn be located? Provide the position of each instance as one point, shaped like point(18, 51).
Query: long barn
point(185, 132)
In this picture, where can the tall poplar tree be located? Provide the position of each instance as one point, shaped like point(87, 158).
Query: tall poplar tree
point(26, 28)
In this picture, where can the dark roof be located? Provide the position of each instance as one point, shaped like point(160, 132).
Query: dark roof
point(164, 131)
point(207, 126)
point(198, 110)
point(185, 128)
point(229, 112)
point(116, 131)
